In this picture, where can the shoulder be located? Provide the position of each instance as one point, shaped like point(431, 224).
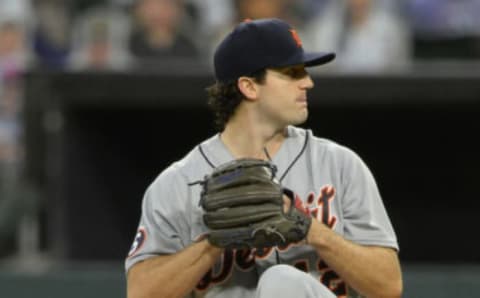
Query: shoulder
point(302, 135)
point(341, 159)
point(324, 148)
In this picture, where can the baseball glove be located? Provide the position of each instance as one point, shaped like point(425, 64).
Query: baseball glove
point(244, 207)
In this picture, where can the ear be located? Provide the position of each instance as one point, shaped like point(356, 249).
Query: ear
point(248, 87)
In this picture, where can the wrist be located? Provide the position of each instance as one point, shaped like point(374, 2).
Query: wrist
point(316, 236)
point(213, 250)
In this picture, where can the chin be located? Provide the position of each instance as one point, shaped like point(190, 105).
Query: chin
point(296, 119)
point(299, 121)
point(302, 118)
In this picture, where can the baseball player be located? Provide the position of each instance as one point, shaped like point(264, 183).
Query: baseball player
point(339, 241)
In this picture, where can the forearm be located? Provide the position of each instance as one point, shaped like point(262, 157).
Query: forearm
point(173, 275)
point(372, 271)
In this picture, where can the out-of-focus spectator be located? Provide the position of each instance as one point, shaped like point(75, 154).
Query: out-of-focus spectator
point(445, 18)
point(100, 40)
point(366, 36)
point(257, 9)
point(445, 28)
point(210, 16)
point(15, 21)
point(15, 17)
point(311, 8)
point(51, 37)
point(161, 31)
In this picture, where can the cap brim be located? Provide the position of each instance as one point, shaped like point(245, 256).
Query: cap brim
point(317, 58)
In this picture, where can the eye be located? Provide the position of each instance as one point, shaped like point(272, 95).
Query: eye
point(294, 72)
point(297, 72)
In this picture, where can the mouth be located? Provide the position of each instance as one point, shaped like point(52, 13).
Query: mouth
point(302, 97)
point(302, 100)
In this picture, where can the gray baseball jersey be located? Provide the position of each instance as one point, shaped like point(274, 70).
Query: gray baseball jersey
point(332, 181)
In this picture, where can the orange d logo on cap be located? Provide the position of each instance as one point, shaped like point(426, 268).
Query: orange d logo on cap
point(296, 37)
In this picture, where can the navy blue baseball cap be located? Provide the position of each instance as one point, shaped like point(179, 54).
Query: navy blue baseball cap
point(259, 44)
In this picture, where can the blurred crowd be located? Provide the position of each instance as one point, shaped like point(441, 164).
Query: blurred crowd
point(369, 36)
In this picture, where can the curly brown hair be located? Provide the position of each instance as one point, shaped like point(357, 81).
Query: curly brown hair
point(224, 98)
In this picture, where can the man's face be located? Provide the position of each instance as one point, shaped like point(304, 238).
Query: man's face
point(283, 95)
point(159, 15)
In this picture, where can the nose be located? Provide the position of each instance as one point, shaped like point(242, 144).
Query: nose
point(306, 82)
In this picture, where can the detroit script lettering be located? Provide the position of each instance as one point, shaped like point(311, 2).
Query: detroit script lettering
point(319, 207)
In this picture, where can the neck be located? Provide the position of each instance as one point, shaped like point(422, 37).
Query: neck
point(245, 140)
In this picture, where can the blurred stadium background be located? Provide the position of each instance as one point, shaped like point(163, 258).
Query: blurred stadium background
point(97, 97)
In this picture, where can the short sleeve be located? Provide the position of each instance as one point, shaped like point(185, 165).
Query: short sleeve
point(365, 219)
point(163, 225)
